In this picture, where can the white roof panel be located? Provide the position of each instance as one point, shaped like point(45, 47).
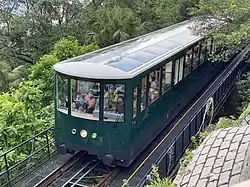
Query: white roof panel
point(130, 58)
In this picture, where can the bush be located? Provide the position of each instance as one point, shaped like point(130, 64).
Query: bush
point(29, 109)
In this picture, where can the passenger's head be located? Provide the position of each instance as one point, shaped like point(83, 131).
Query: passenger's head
point(120, 101)
point(91, 94)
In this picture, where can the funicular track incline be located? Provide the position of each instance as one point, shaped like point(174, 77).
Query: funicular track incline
point(137, 174)
point(89, 172)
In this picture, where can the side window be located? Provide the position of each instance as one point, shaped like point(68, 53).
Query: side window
point(114, 102)
point(188, 62)
point(62, 94)
point(214, 48)
point(135, 102)
point(181, 68)
point(154, 87)
point(196, 56)
point(176, 73)
point(167, 75)
point(143, 93)
point(203, 51)
point(85, 99)
point(209, 43)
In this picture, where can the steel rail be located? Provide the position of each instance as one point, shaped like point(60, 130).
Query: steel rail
point(60, 170)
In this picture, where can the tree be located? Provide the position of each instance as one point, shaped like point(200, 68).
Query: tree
point(112, 25)
point(227, 21)
point(10, 76)
point(29, 109)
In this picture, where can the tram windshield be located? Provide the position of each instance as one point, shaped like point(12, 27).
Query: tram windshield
point(85, 99)
point(114, 102)
point(86, 96)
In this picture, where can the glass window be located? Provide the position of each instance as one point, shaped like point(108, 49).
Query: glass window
point(114, 102)
point(188, 62)
point(144, 93)
point(181, 68)
point(142, 56)
point(154, 86)
point(196, 57)
point(126, 64)
point(176, 73)
point(62, 94)
point(135, 102)
point(167, 76)
point(209, 43)
point(203, 51)
point(156, 50)
point(85, 99)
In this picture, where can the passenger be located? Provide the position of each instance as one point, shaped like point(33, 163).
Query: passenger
point(66, 102)
point(106, 102)
point(77, 101)
point(153, 82)
point(95, 86)
point(81, 102)
point(89, 103)
point(120, 106)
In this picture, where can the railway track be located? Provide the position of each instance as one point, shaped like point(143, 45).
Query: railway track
point(81, 170)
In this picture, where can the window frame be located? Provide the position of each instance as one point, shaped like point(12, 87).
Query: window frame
point(78, 86)
point(134, 116)
point(155, 70)
point(147, 90)
point(164, 74)
point(102, 86)
point(58, 74)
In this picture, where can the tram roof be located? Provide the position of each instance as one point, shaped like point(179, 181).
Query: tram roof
point(130, 58)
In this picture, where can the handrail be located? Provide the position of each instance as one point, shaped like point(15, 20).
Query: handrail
point(26, 141)
point(44, 147)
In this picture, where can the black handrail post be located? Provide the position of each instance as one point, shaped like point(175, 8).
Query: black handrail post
point(47, 139)
point(7, 169)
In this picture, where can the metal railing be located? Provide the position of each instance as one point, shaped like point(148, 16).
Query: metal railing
point(177, 146)
point(25, 158)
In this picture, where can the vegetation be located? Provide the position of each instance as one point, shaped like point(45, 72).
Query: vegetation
point(156, 181)
point(29, 29)
point(29, 109)
point(227, 21)
point(35, 34)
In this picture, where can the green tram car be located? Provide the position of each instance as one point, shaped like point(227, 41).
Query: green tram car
point(113, 102)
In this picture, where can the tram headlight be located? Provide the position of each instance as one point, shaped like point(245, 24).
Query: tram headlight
point(84, 133)
point(94, 135)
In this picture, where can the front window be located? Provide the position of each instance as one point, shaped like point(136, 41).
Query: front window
point(114, 102)
point(85, 99)
point(62, 94)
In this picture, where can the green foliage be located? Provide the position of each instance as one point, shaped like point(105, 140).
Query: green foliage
point(10, 76)
point(42, 76)
point(185, 160)
point(29, 109)
point(244, 114)
point(225, 122)
point(232, 26)
point(243, 88)
point(67, 48)
point(156, 181)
